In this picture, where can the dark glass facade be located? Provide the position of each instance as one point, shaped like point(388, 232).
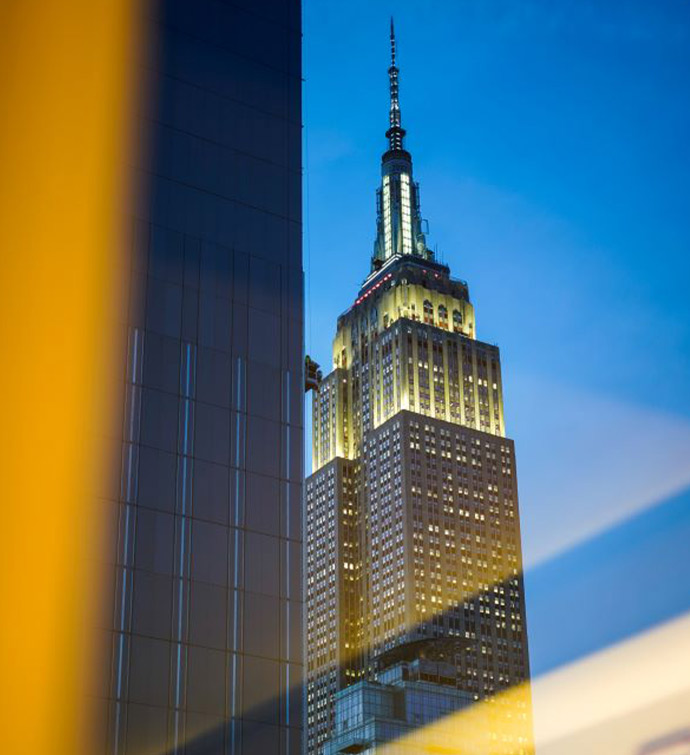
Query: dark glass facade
point(204, 627)
point(372, 716)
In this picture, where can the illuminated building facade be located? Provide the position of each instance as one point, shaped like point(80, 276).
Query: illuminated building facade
point(412, 527)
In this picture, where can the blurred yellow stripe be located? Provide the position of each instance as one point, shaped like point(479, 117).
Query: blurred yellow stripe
point(66, 69)
point(630, 699)
point(499, 725)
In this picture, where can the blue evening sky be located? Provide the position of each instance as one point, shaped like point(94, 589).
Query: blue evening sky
point(551, 142)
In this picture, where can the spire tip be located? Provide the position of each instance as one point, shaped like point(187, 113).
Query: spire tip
point(392, 43)
point(395, 133)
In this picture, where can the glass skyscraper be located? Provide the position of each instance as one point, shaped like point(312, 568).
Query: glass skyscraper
point(414, 686)
point(202, 627)
point(412, 529)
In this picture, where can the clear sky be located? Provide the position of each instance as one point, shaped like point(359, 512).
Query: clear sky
point(551, 142)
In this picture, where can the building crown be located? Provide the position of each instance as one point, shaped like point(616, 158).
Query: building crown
point(398, 218)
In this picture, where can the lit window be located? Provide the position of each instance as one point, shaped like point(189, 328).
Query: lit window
point(406, 214)
point(387, 230)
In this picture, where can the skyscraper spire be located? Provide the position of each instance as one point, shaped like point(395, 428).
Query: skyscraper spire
point(392, 42)
point(398, 219)
point(395, 133)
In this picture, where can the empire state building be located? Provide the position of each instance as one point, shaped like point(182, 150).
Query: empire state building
point(415, 601)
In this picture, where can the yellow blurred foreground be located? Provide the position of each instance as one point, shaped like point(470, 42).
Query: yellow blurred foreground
point(65, 96)
point(630, 699)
